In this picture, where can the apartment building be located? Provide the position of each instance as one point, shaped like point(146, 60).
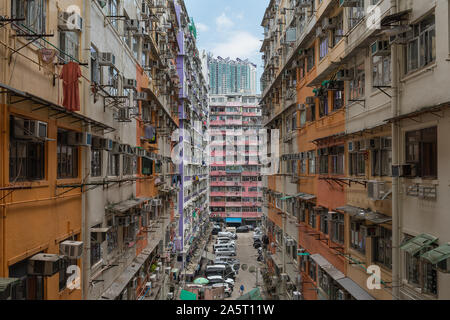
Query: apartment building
point(193, 209)
point(364, 147)
point(228, 76)
point(88, 184)
point(235, 177)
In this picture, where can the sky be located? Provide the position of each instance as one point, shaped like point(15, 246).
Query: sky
point(230, 28)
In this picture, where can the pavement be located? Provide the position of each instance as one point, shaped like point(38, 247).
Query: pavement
point(247, 255)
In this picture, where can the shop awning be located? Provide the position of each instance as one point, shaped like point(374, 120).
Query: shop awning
point(418, 243)
point(377, 218)
point(437, 255)
point(17, 96)
point(233, 220)
point(327, 267)
point(354, 289)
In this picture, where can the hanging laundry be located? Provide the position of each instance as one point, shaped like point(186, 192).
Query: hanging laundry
point(150, 134)
point(46, 58)
point(70, 74)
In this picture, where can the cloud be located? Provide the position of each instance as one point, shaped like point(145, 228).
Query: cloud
point(201, 27)
point(223, 22)
point(239, 44)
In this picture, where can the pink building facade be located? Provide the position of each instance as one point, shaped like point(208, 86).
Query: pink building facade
point(235, 179)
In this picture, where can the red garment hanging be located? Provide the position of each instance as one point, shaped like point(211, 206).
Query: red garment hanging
point(70, 74)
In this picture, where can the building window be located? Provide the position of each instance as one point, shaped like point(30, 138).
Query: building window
point(312, 269)
point(337, 160)
point(311, 58)
point(312, 162)
point(357, 239)
point(357, 85)
point(323, 105)
point(312, 218)
point(324, 222)
point(147, 166)
point(113, 10)
point(95, 67)
point(323, 163)
point(67, 157)
point(421, 273)
point(421, 151)
point(421, 50)
point(113, 164)
point(337, 227)
point(338, 100)
point(381, 163)
point(96, 162)
point(128, 166)
point(381, 71)
point(324, 281)
point(356, 14)
point(34, 13)
point(383, 248)
point(69, 43)
point(26, 158)
point(303, 166)
point(339, 31)
point(357, 164)
point(323, 48)
point(96, 249)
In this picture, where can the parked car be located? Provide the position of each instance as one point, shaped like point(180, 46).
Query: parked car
point(242, 229)
point(224, 270)
point(227, 234)
point(230, 229)
point(219, 279)
point(220, 260)
point(229, 245)
point(215, 231)
point(225, 252)
point(226, 241)
point(251, 227)
point(257, 244)
point(257, 229)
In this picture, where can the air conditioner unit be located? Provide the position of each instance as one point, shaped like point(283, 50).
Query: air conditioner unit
point(79, 139)
point(71, 249)
point(98, 235)
point(69, 21)
point(380, 48)
point(43, 264)
point(345, 75)
point(376, 190)
point(320, 33)
point(129, 83)
point(28, 129)
point(132, 25)
point(107, 59)
point(141, 96)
